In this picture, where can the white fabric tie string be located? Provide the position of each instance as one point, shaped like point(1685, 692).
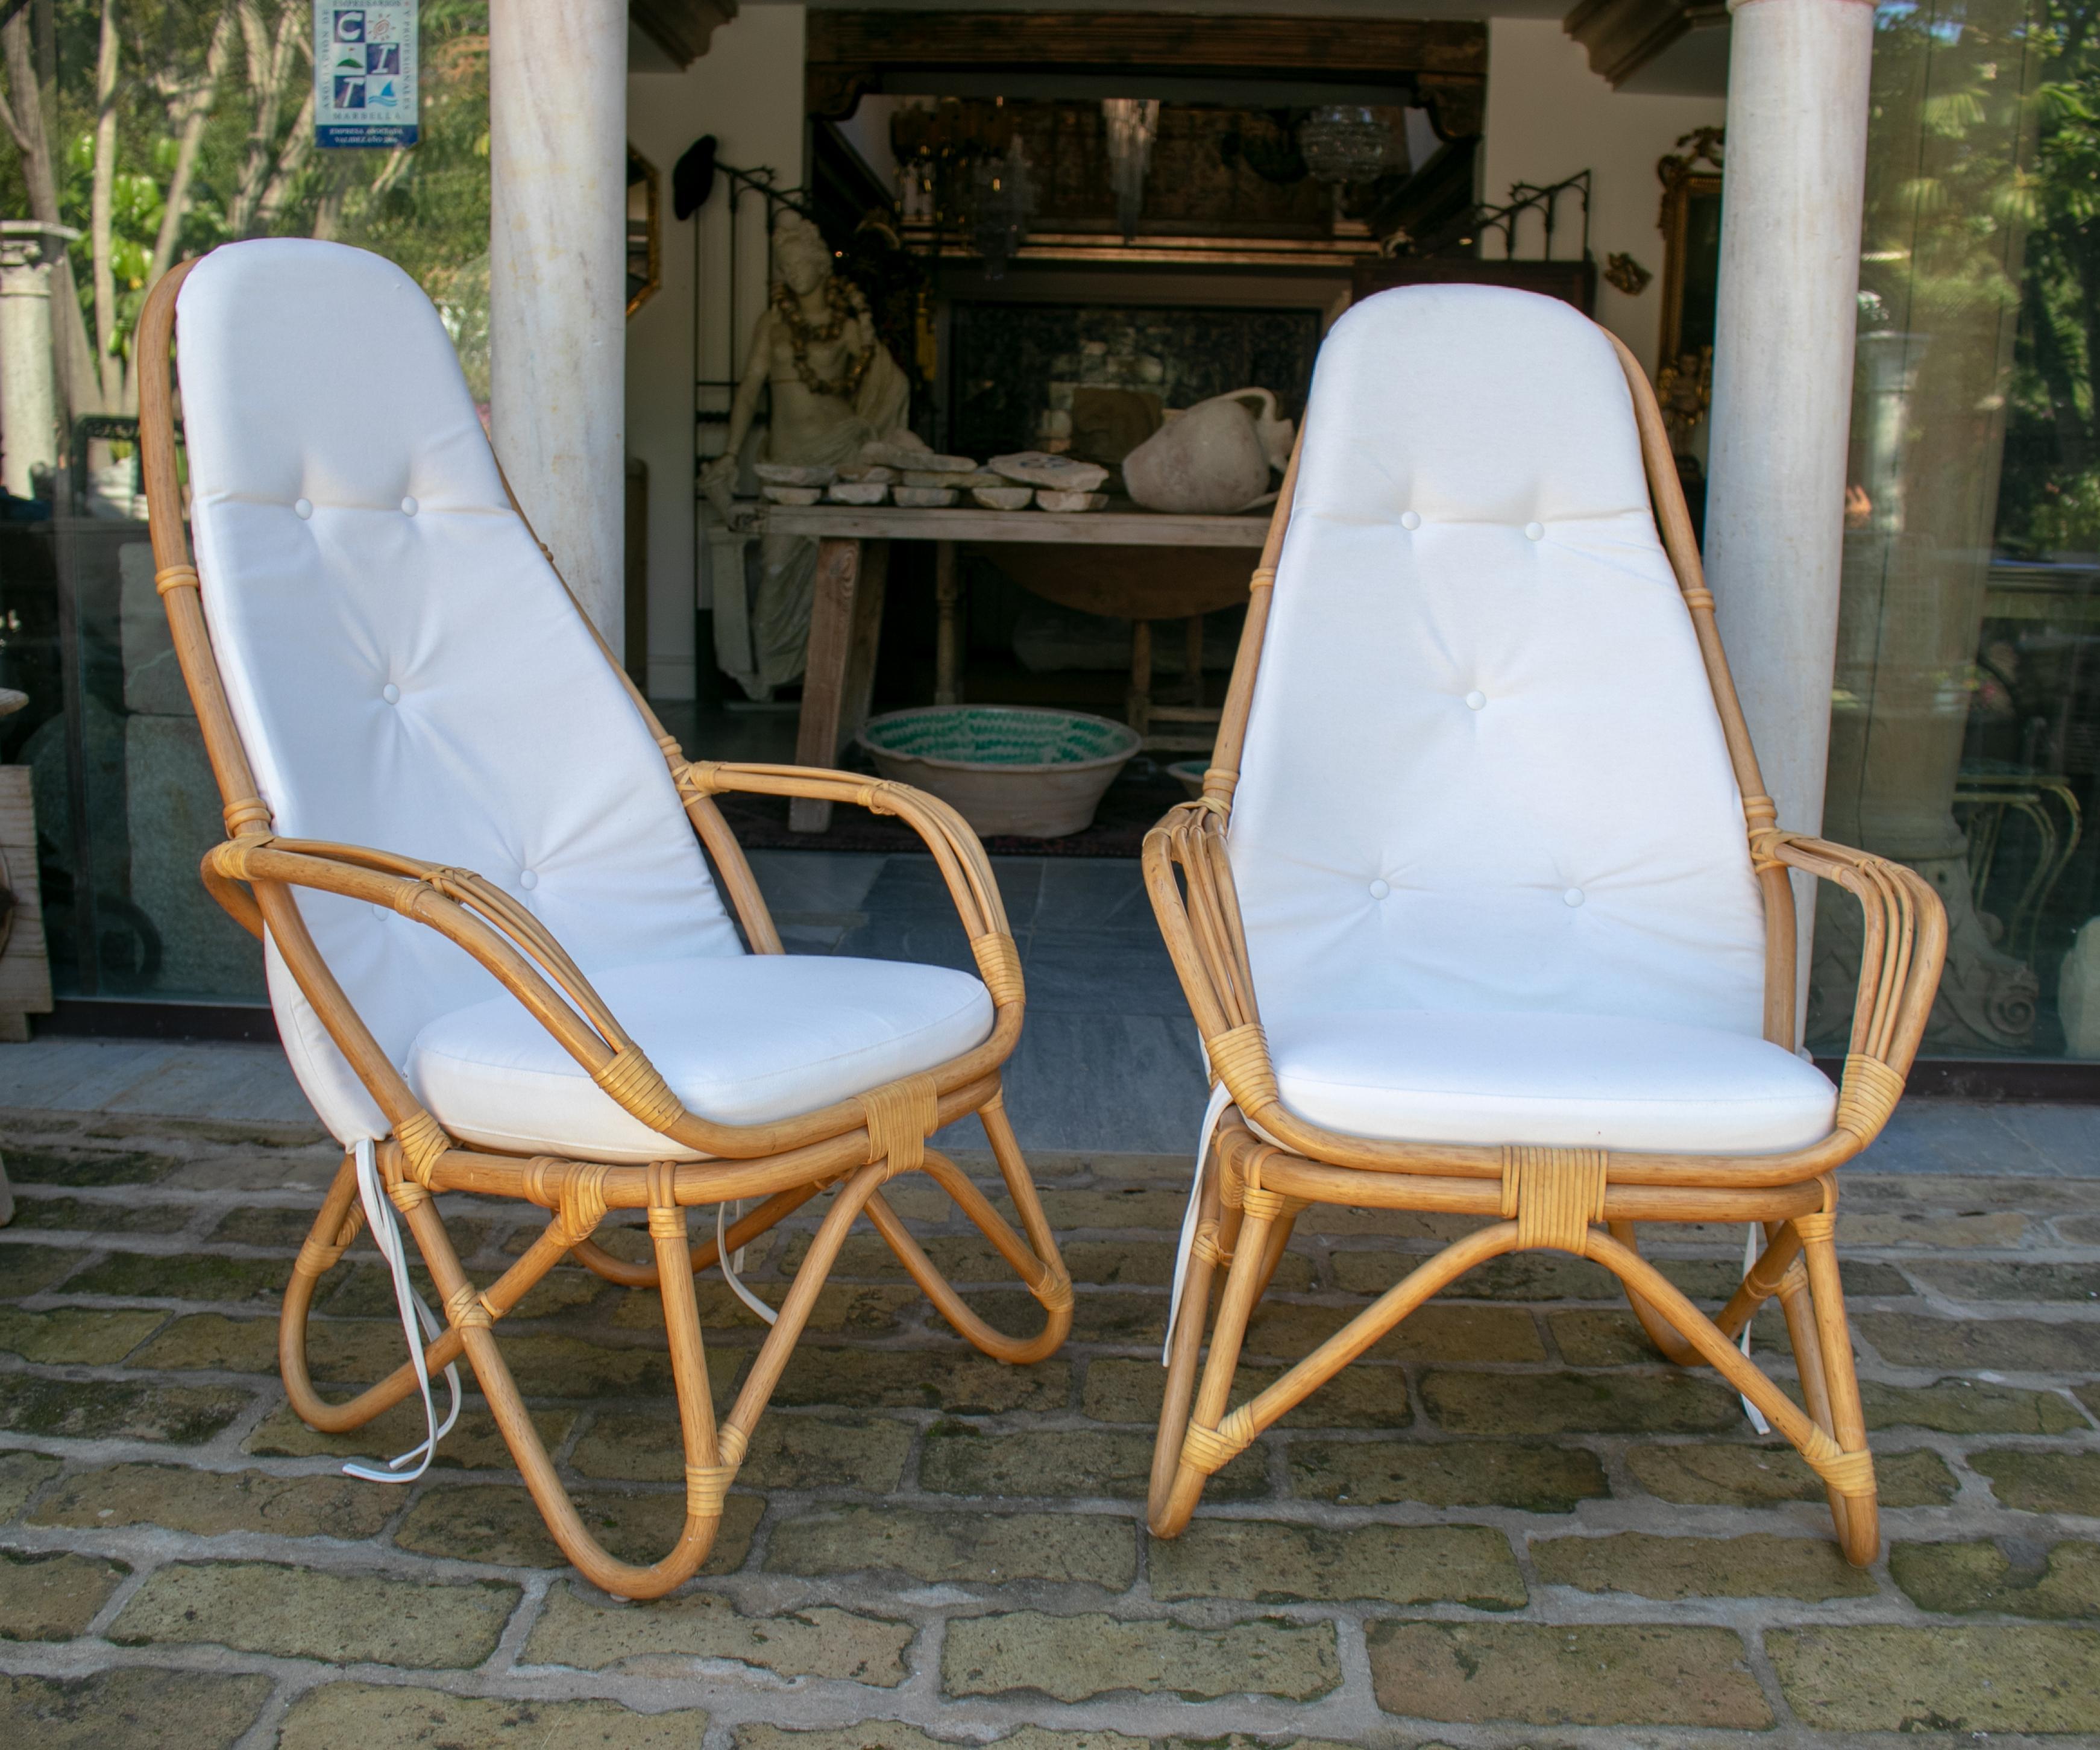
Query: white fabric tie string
point(730, 1267)
point(386, 1236)
point(1749, 1260)
point(1220, 1098)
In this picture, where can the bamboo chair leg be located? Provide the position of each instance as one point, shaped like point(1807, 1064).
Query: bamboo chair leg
point(316, 1412)
point(1856, 1511)
point(771, 1361)
point(1206, 1446)
point(1048, 1283)
point(1020, 1182)
point(746, 1228)
point(1191, 1316)
point(324, 1245)
point(1799, 1307)
point(470, 1317)
point(1227, 1336)
point(1842, 1460)
point(1274, 1248)
point(1674, 1349)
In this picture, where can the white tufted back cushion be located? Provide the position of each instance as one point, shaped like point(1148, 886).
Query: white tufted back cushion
point(1483, 770)
point(406, 670)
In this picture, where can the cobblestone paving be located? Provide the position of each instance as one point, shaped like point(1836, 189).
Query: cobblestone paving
point(1510, 1526)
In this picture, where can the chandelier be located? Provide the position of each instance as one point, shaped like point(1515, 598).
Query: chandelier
point(1350, 142)
point(1004, 196)
point(965, 159)
point(1132, 125)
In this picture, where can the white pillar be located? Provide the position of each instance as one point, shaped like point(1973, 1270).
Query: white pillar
point(558, 280)
point(1794, 189)
point(29, 394)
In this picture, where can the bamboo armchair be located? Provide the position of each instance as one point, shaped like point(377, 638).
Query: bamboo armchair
point(1569, 1190)
point(642, 1146)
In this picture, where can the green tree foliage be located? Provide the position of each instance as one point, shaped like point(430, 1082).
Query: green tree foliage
point(213, 114)
point(2050, 500)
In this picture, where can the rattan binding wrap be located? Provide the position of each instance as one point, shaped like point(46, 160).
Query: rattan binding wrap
point(1866, 1095)
point(1554, 1194)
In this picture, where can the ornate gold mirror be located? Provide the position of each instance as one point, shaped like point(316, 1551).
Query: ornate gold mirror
point(645, 261)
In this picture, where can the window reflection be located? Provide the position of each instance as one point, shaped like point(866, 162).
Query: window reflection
point(1964, 718)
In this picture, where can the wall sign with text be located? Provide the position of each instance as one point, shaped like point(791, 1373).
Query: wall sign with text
point(364, 74)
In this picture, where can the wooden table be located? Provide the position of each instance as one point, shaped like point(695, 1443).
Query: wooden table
point(1117, 576)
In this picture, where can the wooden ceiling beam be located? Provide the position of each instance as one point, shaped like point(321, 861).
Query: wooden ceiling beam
point(680, 28)
point(1623, 35)
point(1445, 59)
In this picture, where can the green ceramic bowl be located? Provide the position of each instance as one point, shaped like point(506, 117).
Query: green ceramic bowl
point(1009, 770)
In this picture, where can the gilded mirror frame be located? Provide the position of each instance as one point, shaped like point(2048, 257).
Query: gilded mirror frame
point(645, 246)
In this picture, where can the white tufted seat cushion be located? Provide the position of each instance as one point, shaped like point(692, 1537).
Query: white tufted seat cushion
point(741, 1041)
point(1568, 1081)
point(407, 673)
point(1486, 837)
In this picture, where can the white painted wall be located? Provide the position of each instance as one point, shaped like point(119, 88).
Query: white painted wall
point(747, 90)
point(1548, 116)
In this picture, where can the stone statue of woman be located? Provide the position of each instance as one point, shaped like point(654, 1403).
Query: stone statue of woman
point(834, 389)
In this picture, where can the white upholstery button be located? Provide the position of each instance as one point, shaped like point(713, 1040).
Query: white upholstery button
point(1409, 520)
point(407, 507)
point(1534, 531)
point(391, 692)
point(1379, 890)
point(528, 880)
point(1475, 701)
point(303, 507)
point(1573, 896)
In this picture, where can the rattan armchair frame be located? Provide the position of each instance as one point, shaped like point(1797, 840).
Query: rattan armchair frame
point(852, 1147)
point(1267, 1164)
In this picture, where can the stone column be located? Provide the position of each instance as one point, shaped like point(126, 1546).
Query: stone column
point(1787, 315)
point(28, 394)
point(558, 280)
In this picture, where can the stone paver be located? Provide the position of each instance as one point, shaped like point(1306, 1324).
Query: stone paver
point(1533, 1477)
point(1759, 1566)
point(1877, 1678)
point(214, 1503)
point(1274, 1564)
point(573, 1630)
point(1071, 1658)
point(372, 1717)
point(299, 1613)
point(1512, 1528)
point(134, 1705)
point(2061, 1582)
point(53, 1598)
point(1099, 1548)
point(1606, 1675)
point(1739, 1475)
point(2037, 1481)
point(497, 1522)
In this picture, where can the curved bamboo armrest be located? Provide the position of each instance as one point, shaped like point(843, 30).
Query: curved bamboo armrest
point(1900, 957)
point(512, 945)
point(1203, 932)
point(947, 835)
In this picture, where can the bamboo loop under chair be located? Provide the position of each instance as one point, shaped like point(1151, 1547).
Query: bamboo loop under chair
point(1267, 1163)
point(850, 1148)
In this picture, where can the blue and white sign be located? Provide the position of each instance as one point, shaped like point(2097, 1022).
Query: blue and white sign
point(364, 74)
